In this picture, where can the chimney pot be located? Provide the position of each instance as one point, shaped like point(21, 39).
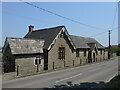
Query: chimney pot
point(31, 28)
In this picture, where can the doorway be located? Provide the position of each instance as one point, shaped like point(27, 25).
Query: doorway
point(89, 57)
point(93, 57)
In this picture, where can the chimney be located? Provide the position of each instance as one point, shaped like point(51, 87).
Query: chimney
point(31, 28)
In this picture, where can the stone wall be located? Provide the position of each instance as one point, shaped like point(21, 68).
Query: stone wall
point(81, 60)
point(113, 54)
point(101, 56)
point(25, 65)
point(106, 55)
point(53, 55)
point(8, 61)
point(70, 56)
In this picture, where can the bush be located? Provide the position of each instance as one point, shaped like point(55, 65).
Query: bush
point(114, 50)
point(0, 56)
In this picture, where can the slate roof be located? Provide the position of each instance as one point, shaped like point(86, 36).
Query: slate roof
point(48, 35)
point(84, 42)
point(25, 46)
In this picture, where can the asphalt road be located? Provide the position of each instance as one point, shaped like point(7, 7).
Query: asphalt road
point(92, 74)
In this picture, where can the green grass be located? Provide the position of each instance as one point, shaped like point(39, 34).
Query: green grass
point(0, 56)
point(114, 83)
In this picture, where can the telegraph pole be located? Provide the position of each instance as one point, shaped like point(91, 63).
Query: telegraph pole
point(109, 45)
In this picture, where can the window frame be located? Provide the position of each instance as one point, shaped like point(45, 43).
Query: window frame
point(77, 53)
point(35, 61)
point(100, 52)
point(96, 51)
point(84, 53)
point(61, 53)
point(38, 61)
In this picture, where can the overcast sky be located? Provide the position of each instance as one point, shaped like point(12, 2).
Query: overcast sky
point(16, 17)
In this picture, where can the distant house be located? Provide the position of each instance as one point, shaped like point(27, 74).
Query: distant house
point(114, 45)
point(115, 50)
point(49, 49)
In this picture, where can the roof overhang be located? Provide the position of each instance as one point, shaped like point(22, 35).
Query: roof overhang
point(69, 38)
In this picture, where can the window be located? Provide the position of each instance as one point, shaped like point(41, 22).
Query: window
point(101, 52)
point(96, 51)
point(84, 52)
point(77, 52)
point(38, 61)
point(61, 53)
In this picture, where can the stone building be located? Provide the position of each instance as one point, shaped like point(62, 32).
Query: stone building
point(22, 55)
point(49, 49)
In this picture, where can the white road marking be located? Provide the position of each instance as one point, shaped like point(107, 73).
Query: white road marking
point(68, 78)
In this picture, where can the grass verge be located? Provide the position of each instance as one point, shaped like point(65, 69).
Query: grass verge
point(114, 83)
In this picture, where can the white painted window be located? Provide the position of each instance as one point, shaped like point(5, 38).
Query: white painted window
point(37, 61)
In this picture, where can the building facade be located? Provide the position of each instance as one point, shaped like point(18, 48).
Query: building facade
point(50, 49)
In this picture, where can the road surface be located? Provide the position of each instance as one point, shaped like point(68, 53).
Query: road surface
point(94, 74)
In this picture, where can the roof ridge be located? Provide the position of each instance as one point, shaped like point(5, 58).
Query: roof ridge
point(22, 38)
point(82, 37)
point(48, 28)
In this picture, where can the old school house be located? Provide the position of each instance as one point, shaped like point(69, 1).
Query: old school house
point(49, 49)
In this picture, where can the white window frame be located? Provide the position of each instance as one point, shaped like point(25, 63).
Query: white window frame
point(38, 58)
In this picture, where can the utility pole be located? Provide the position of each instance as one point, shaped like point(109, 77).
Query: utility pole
point(109, 45)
